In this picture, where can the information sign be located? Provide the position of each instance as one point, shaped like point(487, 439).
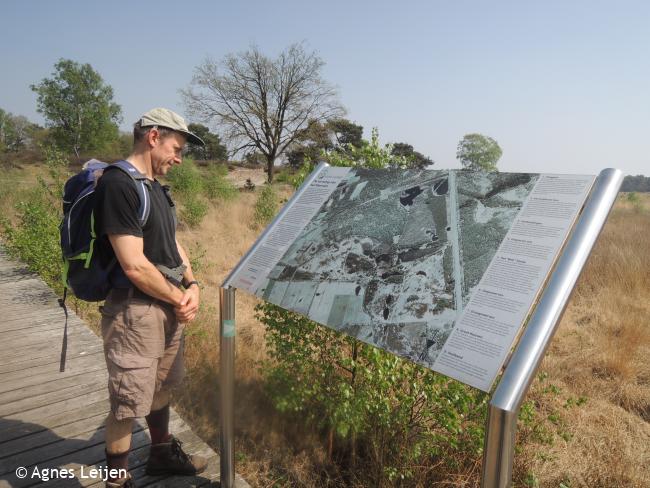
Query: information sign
point(438, 266)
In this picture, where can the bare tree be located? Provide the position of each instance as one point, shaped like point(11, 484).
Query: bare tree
point(262, 104)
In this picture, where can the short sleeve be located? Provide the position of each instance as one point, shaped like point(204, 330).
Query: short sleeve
point(117, 205)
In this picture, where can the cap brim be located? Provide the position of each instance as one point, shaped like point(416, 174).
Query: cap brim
point(193, 138)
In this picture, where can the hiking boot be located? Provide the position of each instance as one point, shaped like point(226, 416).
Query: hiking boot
point(169, 458)
point(121, 483)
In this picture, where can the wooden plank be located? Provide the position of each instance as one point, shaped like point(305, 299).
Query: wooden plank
point(74, 364)
point(34, 415)
point(17, 429)
point(48, 398)
point(21, 317)
point(35, 335)
point(53, 375)
point(95, 377)
point(52, 319)
point(46, 350)
point(54, 337)
point(76, 453)
point(49, 436)
point(75, 350)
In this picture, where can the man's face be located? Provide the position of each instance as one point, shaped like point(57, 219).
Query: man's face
point(166, 152)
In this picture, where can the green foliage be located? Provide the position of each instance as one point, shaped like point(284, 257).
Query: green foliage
point(213, 148)
point(186, 179)
point(34, 238)
point(16, 132)
point(635, 200)
point(78, 106)
point(415, 159)
point(266, 206)
point(193, 211)
point(478, 152)
point(402, 414)
point(216, 186)
point(369, 155)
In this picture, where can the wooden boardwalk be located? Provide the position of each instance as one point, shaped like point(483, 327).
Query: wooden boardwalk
point(52, 420)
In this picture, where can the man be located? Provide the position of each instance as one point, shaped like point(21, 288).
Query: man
point(144, 314)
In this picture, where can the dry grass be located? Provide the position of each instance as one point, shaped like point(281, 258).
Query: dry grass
point(602, 353)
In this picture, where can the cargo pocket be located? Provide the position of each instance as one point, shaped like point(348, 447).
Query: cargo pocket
point(144, 330)
point(131, 383)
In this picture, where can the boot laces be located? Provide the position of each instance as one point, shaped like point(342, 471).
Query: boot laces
point(177, 450)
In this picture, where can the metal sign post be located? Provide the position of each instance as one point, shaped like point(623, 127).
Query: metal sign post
point(520, 372)
point(227, 384)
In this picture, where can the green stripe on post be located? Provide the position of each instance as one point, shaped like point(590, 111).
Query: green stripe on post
point(228, 328)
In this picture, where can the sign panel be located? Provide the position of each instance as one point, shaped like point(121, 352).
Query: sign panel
point(440, 267)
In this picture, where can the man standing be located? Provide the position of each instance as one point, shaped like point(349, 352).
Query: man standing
point(144, 314)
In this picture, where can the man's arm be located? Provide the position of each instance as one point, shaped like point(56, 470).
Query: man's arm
point(142, 272)
point(190, 300)
point(188, 274)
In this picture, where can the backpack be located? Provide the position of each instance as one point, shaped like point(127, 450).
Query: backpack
point(83, 272)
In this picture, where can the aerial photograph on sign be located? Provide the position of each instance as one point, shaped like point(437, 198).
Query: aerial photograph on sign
point(393, 256)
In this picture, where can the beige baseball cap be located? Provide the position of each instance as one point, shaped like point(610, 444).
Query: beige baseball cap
point(163, 117)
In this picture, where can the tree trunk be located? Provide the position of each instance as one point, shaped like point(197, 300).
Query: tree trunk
point(270, 160)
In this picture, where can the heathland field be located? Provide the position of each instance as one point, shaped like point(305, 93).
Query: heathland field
point(586, 422)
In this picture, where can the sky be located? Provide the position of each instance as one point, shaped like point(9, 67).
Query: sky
point(563, 86)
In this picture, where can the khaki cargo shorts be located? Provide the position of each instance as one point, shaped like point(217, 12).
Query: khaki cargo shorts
point(143, 346)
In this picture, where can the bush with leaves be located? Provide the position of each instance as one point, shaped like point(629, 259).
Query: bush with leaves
point(266, 206)
point(186, 179)
point(391, 420)
point(193, 210)
point(216, 186)
point(34, 237)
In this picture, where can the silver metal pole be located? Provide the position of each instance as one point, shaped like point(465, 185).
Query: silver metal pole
point(507, 399)
point(227, 385)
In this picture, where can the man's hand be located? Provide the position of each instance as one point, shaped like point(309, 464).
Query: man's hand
point(188, 307)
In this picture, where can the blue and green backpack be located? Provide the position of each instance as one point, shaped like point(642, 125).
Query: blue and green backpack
point(83, 272)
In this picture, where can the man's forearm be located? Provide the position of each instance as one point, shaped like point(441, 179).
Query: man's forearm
point(188, 274)
point(151, 281)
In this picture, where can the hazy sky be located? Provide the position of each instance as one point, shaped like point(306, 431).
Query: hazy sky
point(563, 86)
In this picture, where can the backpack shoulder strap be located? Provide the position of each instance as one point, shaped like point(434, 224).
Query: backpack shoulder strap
point(141, 185)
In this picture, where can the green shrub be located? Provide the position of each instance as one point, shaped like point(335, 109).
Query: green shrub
point(396, 415)
point(193, 211)
point(185, 179)
point(216, 186)
point(636, 202)
point(266, 206)
point(34, 238)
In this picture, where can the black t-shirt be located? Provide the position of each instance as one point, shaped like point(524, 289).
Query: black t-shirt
point(116, 212)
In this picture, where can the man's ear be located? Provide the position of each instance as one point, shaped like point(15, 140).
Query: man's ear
point(153, 136)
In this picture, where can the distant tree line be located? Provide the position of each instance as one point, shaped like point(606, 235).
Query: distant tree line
point(638, 183)
point(266, 109)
